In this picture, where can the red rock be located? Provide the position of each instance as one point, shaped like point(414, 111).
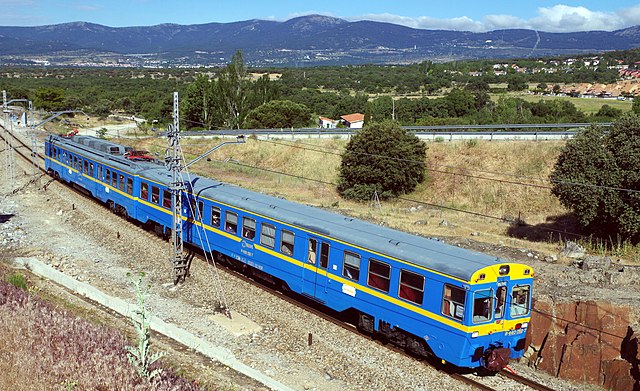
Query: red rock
point(541, 321)
point(584, 341)
point(581, 359)
point(551, 355)
point(618, 376)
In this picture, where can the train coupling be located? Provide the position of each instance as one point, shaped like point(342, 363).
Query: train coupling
point(496, 359)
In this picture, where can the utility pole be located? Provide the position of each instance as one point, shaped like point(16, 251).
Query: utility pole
point(180, 261)
point(173, 162)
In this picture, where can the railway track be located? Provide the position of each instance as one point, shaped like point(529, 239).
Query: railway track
point(24, 150)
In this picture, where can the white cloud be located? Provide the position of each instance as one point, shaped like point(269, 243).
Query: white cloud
point(559, 18)
point(629, 16)
point(564, 18)
point(425, 22)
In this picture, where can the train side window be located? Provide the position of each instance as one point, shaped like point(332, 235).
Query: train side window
point(379, 275)
point(482, 305)
point(166, 198)
point(324, 254)
point(453, 302)
point(286, 243)
point(520, 300)
point(107, 176)
point(144, 191)
point(268, 235)
point(121, 177)
point(501, 298)
point(351, 266)
point(155, 195)
point(248, 228)
point(114, 179)
point(231, 222)
point(129, 185)
point(86, 167)
point(411, 286)
point(215, 216)
point(313, 249)
point(91, 170)
point(75, 163)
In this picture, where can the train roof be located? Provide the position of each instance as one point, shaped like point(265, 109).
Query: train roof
point(424, 252)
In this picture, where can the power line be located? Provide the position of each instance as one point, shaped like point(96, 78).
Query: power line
point(466, 169)
point(576, 323)
point(439, 206)
point(503, 219)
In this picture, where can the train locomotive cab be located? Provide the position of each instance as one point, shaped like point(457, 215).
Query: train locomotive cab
point(494, 310)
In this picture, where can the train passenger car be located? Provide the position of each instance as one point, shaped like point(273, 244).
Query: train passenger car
point(465, 307)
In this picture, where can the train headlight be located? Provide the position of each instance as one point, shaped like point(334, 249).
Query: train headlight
point(504, 270)
point(525, 325)
point(474, 334)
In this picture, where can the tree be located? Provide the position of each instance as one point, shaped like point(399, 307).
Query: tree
point(279, 114)
point(635, 106)
point(608, 112)
point(379, 109)
point(597, 175)
point(517, 82)
point(50, 99)
point(381, 157)
point(233, 90)
point(198, 107)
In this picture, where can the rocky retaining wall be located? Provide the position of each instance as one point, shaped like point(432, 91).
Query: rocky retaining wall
point(586, 341)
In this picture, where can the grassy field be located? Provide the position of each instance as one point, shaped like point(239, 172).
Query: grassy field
point(586, 105)
point(493, 180)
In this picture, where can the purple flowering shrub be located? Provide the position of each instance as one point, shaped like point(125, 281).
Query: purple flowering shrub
point(43, 347)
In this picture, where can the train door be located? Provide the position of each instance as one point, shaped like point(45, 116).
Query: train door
point(314, 277)
point(501, 303)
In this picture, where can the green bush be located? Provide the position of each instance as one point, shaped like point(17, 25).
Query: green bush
point(381, 157)
point(597, 176)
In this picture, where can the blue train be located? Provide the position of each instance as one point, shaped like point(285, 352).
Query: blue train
point(466, 308)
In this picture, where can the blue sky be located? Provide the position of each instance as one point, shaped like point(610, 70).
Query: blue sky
point(471, 15)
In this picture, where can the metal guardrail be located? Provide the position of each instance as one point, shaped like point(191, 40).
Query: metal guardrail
point(436, 133)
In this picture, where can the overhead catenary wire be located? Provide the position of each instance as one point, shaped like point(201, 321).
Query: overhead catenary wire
point(462, 168)
point(541, 312)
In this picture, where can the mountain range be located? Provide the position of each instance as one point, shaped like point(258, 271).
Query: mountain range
point(307, 40)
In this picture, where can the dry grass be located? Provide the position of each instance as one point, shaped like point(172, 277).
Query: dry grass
point(498, 180)
point(482, 177)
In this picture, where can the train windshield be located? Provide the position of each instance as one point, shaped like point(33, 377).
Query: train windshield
point(482, 305)
point(520, 300)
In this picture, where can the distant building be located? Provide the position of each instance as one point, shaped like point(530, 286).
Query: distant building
point(353, 121)
point(324, 122)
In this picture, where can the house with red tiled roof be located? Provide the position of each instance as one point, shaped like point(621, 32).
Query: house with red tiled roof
point(353, 121)
point(324, 122)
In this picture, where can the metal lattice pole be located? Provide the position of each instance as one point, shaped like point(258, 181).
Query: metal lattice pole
point(179, 261)
point(34, 153)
